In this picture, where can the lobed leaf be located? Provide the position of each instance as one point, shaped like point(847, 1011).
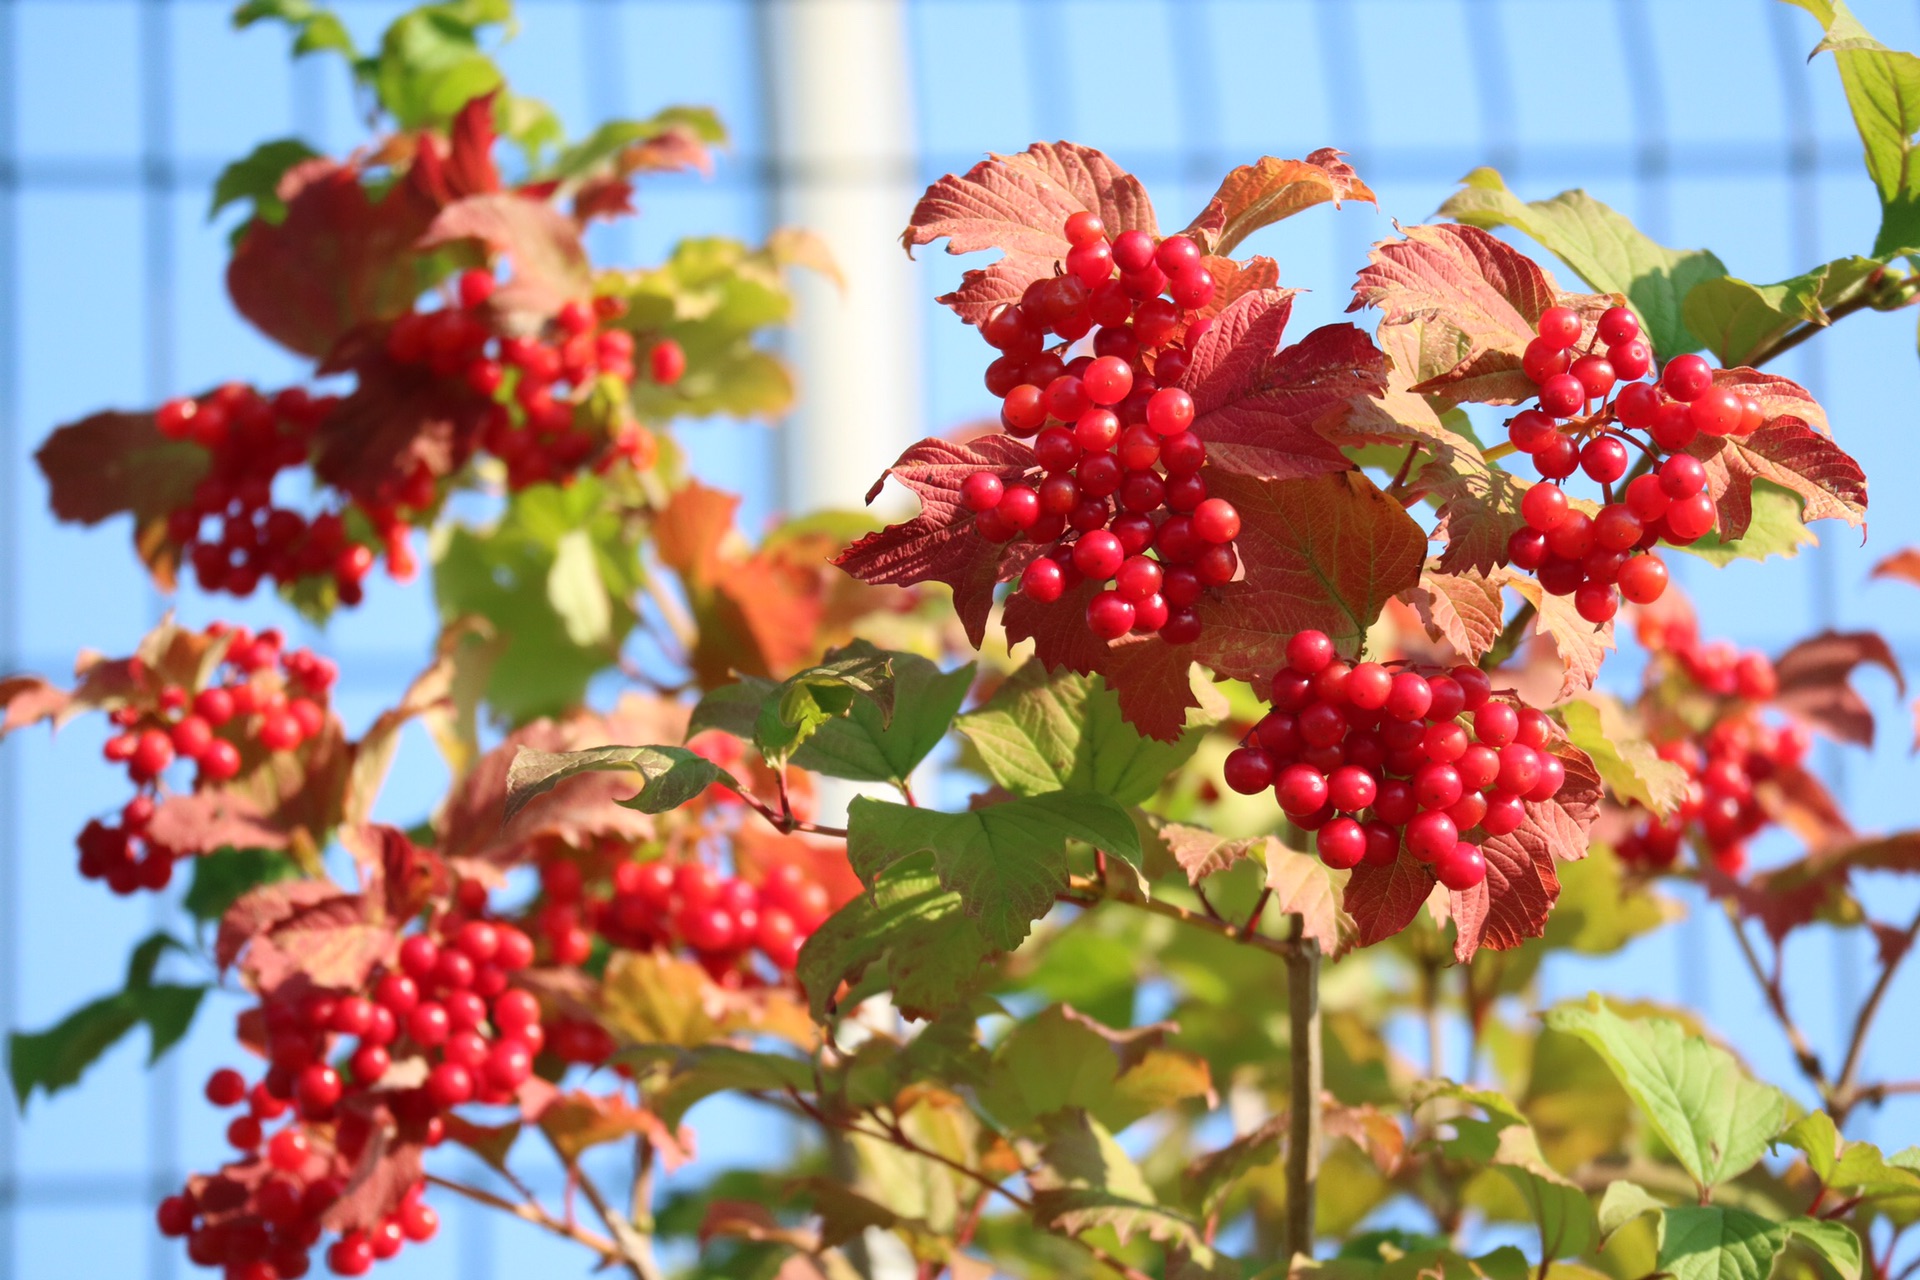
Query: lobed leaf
point(110, 463)
point(1626, 761)
point(1019, 204)
point(1465, 610)
point(935, 954)
point(1738, 321)
point(1816, 682)
point(1007, 861)
point(670, 776)
point(1604, 248)
point(1791, 454)
point(1581, 645)
point(1268, 190)
point(1714, 1117)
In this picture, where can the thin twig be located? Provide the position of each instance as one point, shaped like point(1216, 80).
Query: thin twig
point(787, 824)
point(1087, 893)
point(630, 1248)
point(1406, 469)
point(1206, 903)
point(530, 1211)
point(1850, 1067)
point(1777, 1001)
point(1509, 639)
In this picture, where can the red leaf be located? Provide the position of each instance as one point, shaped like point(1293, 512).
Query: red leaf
point(1384, 900)
point(1262, 193)
point(465, 167)
point(1792, 455)
point(260, 910)
point(111, 463)
point(280, 799)
point(1476, 300)
point(940, 544)
point(1257, 406)
point(549, 263)
point(1512, 903)
point(1815, 678)
point(399, 417)
point(1903, 564)
point(1019, 204)
point(579, 810)
point(335, 942)
point(26, 700)
point(341, 257)
point(1779, 397)
point(1326, 552)
point(388, 1168)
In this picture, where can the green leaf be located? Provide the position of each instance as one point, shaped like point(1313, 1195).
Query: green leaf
point(430, 63)
point(1777, 530)
point(1506, 1142)
point(1006, 861)
point(1714, 1117)
point(1833, 1241)
point(1627, 762)
point(1608, 251)
point(1738, 320)
point(615, 136)
point(576, 592)
point(862, 746)
point(1053, 1062)
point(700, 1072)
point(220, 877)
point(797, 707)
point(255, 178)
point(1712, 1243)
point(934, 953)
point(553, 636)
point(1819, 1140)
point(54, 1059)
point(315, 27)
point(1622, 1203)
point(1090, 1181)
point(1883, 89)
point(1057, 731)
point(670, 776)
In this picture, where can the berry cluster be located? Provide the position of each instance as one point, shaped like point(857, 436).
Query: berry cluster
point(1725, 761)
point(660, 904)
point(1598, 558)
point(262, 698)
point(1370, 757)
point(1121, 497)
point(447, 1011)
point(542, 423)
point(232, 532)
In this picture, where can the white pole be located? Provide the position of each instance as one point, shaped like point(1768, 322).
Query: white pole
point(843, 137)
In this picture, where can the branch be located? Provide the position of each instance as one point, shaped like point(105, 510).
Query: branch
point(1304, 1080)
point(630, 1248)
point(1509, 638)
point(1777, 1001)
point(531, 1211)
point(1084, 892)
point(786, 823)
point(1850, 1068)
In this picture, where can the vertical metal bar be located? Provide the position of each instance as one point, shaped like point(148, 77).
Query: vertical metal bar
point(10, 543)
point(164, 1174)
point(1493, 86)
point(1197, 96)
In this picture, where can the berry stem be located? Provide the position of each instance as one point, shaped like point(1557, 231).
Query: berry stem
point(531, 1211)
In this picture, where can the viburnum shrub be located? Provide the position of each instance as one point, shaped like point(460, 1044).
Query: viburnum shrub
point(1295, 671)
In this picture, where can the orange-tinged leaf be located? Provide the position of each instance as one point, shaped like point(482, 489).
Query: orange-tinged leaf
point(1477, 301)
point(1903, 565)
point(1816, 682)
point(1792, 455)
point(1582, 647)
point(578, 1121)
point(1466, 610)
point(1019, 204)
point(1234, 280)
point(1262, 193)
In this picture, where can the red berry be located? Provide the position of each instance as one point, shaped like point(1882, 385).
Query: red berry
point(1091, 261)
point(1505, 812)
point(226, 1087)
point(1342, 843)
point(1301, 790)
point(1215, 520)
point(1368, 685)
point(1604, 459)
point(1716, 411)
point(352, 1255)
point(1138, 577)
point(1043, 580)
point(1107, 380)
point(1552, 775)
point(1572, 538)
point(1383, 844)
point(1542, 360)
point(1595, 374)
point(666, 362)
point(152, 753)
point(1308, 652)
point(1531, 431)
point(1544, 506)
point(289, 1150)
point(1409, 697)
point(981, 491)
point(1084, 227)
point(1098, 555)
point(1597, 602)
point(1617, 325)
point(1248, 770)
point(1430, 834)
point(1519, 768)
point(1686, 377)
point(1110, 615)
point(1682, 476)
point(1562, 395)
point(449, 1084)
point(1461, 867)
point(1133, 250)
point(319, 1088)
point(1617, 528)
point(1351, 788)
point(1024, 411)
point(1690, 519)
point(1560, 326)
point(1496, 724)
point(1169, 411)
point(1630, 361)
point(1643, 579)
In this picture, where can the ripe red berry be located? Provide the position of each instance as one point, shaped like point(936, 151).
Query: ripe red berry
point(1409, 697)
point(1461, 867)
point(1368, 685)
point(1137, 578)
point(1215, 520)
point(351, 1255)
point(1169, 411)
point(1685, 377)
point(1133, 250)
point(1597, 602)
point(152, 753)
point(1560, 326)
point(1542, 360)
point(1091, 261)
point(226, 1087)
point(1301, 790)
point(1430, 834)
point(1617, 325)
point(318, 1088)
point(1084, 226)
point(1098, 555)
point(289, 1150)
point(1572, 538)
point(1248, 770)
point(1341, 843)
point(1595, 374)
point(1043, 581)
point(1544, 506)
point(1716, 411)
point(1604, 459)
point(666, 362)
point(1107, 380)
point(1351, 788)
point(1505, 812)
point(1643, 579)
point(1519, 768)
point(1690, 519)
point(1308, 652)
point(1562, 395)
point(1110, 615)
point(1531, 431)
